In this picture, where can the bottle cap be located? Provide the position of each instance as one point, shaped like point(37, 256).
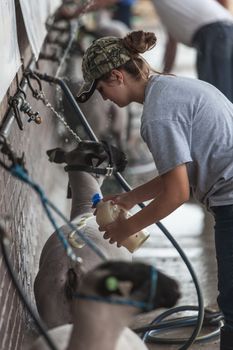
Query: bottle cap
point(96, 198)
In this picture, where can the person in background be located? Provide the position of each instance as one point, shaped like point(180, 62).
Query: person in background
point(123, 11)
point(206, 25)
point(187, 125)
point(76, 8)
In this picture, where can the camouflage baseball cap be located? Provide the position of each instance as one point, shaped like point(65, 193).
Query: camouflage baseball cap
point(100, 58)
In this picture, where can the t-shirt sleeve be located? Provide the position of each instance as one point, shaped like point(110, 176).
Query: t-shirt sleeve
point(169, 143)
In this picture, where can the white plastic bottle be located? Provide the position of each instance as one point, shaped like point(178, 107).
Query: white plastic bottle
point(107, 212)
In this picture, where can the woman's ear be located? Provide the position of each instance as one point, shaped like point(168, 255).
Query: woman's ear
point(117, 75)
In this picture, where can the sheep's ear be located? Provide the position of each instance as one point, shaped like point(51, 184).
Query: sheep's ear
point(56, 155)
point(96, 161)
point(118, 157)
point(72, 282)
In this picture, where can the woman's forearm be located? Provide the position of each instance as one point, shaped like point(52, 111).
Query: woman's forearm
point(147, 191)
point(155, 211)
point(175, 190)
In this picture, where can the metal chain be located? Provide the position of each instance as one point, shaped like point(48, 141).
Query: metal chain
point(41, 96)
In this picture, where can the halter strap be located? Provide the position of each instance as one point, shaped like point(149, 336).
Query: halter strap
point(108, 171)
point(146, 306)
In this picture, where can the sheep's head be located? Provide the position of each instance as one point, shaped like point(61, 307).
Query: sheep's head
point(90, 153)
point(119, 282)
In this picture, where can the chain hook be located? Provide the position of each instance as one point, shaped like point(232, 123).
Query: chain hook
point(13, 102)
point(19, 87)
point(29, 74)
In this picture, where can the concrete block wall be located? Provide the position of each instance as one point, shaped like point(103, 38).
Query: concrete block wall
point(20, 208)
point(27, 224)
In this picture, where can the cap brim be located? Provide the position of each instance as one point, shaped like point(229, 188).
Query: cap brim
point(86, 90)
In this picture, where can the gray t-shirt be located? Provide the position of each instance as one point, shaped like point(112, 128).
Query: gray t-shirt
point(189, 121)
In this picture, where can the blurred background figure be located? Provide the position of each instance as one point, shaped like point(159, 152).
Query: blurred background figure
point(76, 8)
point(96, 16)
point(206, 25)
point(123, 11)
point(119, 10)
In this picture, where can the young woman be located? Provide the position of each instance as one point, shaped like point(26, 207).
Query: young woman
point(187, 125)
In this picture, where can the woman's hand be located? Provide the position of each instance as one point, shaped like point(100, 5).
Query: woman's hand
point(117, 231)
point(124, 200)
point(175, 192)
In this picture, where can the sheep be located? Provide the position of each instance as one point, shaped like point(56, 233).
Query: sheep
point(102, 307)
point(57, 273)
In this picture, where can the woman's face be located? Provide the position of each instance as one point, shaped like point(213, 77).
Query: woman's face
point(114, 89)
